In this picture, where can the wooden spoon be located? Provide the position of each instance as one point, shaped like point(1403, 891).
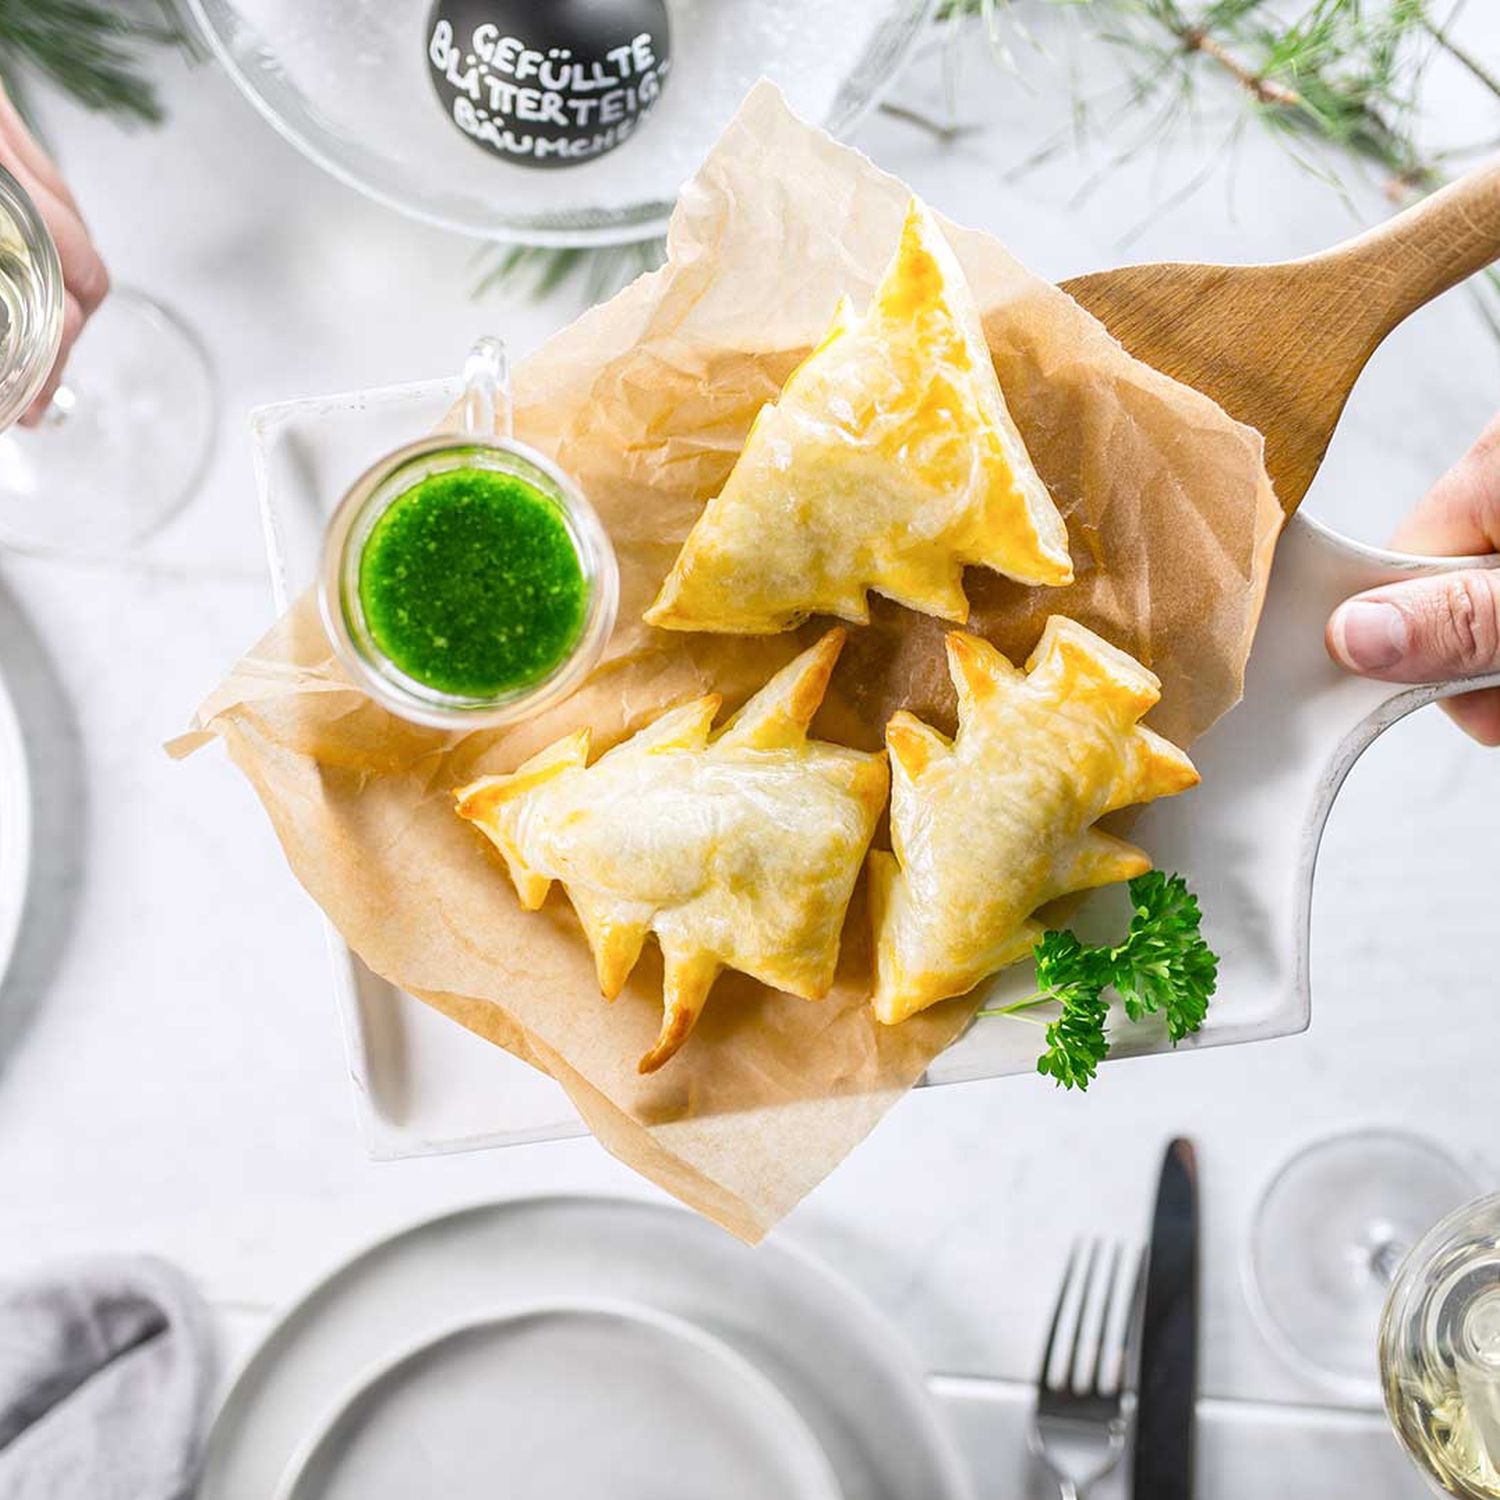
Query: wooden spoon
point(1280, 346)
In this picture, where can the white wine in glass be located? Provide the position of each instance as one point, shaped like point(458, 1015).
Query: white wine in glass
point(31, 302)
point(123, 443)
point(1440, 1352)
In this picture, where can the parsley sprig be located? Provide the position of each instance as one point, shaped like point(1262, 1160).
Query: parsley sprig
point(1163, 967)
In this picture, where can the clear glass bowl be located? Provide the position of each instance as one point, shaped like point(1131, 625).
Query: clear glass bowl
point(347, 84)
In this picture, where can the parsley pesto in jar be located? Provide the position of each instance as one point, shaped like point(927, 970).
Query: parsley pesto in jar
point(471, 583)
point(466, 579)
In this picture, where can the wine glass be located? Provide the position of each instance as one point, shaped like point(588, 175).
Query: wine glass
point(1330, 1229)
point(124, 442)
point(1439, 1346)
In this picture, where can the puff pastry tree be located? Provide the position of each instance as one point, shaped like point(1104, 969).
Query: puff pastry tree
point(998, 822)
point(889, 462)
point(738, 849)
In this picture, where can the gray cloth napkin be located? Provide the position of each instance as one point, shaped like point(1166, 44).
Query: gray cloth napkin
point(104, 1378)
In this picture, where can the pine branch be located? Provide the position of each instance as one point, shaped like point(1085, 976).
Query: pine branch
point(536, 270)
point(91, 49)
point(1342, 78)
point(1260, 88)
point(1462, 56)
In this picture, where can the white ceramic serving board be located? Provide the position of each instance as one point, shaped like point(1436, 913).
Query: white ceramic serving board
point(1247, 839)
point(423, 1084)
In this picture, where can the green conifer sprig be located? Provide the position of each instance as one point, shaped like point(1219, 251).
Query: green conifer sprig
point(1340, 81)
point(91, 49)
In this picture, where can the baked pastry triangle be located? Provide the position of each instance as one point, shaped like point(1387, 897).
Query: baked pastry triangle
point(889, 462)
point(738, 849)
point(998, 822)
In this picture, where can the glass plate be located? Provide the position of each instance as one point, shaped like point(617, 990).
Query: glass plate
point(1247, 840)
point(348, 85)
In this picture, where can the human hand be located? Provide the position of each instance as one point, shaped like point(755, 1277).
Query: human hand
point(85, 279)
point(1434, 629)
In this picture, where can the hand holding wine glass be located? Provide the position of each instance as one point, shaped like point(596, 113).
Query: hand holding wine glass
point(95, 466)
point(85, 277)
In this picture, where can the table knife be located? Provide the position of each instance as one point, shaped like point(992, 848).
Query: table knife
point(1167, 1383)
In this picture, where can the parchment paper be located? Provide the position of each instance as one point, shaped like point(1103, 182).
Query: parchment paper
point(646, 400)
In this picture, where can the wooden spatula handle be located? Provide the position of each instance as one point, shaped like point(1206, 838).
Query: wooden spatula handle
point(1280, 346)
point(1433, 245)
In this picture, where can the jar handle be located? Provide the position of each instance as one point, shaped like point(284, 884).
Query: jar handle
point(486, 404)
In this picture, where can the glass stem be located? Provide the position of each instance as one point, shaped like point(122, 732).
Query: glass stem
point(60, 407)
point(1385, 1256)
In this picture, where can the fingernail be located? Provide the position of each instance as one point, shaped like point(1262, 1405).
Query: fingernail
point(1369, 636)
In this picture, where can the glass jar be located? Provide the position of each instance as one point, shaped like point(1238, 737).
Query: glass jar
point(484, 444)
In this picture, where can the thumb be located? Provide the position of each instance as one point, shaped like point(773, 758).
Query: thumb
point(1423, 630)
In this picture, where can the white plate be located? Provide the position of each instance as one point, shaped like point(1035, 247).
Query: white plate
point(1247, 840)
point(567, 1401)
point(827, 1352)
point(15, 827)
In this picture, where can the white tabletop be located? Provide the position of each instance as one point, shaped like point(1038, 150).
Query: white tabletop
point(171, 1077)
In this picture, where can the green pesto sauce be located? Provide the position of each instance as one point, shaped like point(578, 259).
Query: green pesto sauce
point(470, 583)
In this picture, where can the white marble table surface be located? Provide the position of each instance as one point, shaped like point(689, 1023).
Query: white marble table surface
point(171, 1077)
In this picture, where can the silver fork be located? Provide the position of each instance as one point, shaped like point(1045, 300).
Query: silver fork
point(1079, 1428)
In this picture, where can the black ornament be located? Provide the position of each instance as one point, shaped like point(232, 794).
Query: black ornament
point(548, 83)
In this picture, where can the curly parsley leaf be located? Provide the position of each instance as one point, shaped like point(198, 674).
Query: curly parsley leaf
point(1074, 976)
point(1163, 967)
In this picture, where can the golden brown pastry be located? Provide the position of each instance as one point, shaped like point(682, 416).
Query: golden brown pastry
point(738, 849)
point(888, 462)
point(997, 823)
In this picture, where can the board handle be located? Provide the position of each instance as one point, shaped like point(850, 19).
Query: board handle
point(1405, 262)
